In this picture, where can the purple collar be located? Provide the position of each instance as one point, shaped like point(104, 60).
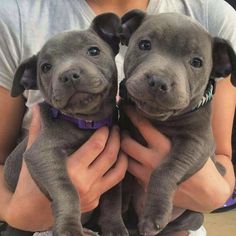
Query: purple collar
point(82, 124)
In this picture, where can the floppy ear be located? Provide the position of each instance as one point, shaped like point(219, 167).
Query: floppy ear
point(107, 26)
point(25, 77)
point(129, 23)
point(224, 60)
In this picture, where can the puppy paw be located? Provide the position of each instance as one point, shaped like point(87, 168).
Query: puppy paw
point(151, 225)
point(88, 232)
point(68, 233)
point(68, 230)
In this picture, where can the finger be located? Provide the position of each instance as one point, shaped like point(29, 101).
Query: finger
point(89, 206)
point(141, 173)
point(134, 167)
point(109, 156)
point(89, 151)
point(149, 133)
point(115, 174)
point(34, 125)
point(137, 170)
point(138, 152)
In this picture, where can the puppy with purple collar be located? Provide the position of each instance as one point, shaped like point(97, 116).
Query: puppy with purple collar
point(76, 74)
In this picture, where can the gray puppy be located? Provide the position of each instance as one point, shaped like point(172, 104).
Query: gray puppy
point(170, 67)
point(77, 76)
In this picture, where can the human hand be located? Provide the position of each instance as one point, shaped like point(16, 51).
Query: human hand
point(91, 169)
point(94, 162)
point(144, 159)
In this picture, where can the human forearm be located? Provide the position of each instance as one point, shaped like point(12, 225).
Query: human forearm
point(10, 123)
point(193, 194)
point(5, 196)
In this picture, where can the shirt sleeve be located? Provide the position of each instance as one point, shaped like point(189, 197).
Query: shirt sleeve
point(222, 21)
point(10, 41)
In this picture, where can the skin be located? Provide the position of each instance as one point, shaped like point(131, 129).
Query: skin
point(29, 209)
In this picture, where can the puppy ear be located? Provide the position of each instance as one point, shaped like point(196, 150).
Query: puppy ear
point(224, 60)
point(25, 77)
point(129, 23)
point(107, 26)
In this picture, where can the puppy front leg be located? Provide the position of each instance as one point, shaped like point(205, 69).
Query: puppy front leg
point(163, 183)
point(189, 220)
point(110, 218)
point(158, 205)
point(47, 168)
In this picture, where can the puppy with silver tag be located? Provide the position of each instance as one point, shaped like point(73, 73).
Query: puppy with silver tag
point(170, 69)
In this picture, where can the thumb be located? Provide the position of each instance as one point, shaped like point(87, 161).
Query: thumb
point(34, 125)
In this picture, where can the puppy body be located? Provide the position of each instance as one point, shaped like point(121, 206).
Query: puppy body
point(77, 76)
point(169, 67)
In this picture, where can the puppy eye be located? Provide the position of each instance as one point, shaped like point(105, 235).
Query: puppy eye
point(93, 51)
point(145, 45)
point(46, 67)
point(196, 62)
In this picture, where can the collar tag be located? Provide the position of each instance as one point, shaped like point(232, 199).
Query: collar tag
point(88, 124)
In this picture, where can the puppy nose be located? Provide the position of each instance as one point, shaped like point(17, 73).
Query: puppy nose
point(158, 83)
point(68, 76)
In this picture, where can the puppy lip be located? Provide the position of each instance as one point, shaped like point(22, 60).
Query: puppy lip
point(144, 108)
point(85, 102)
point(140, 104)
point(83, 98)
point(159, 116)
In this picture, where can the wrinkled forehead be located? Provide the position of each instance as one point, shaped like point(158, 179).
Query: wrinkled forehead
point(71, 43)
point(174, 32)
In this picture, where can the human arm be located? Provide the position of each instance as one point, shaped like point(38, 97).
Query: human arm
point(12, 110)
point(191, 194)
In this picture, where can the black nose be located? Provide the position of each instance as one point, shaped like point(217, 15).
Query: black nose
point(158, 83)
point(70, 75)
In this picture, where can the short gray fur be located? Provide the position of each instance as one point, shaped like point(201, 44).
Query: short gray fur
point(81, 84)
point(168, 64)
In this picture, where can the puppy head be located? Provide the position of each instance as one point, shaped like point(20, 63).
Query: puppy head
point(75, 70)
point(169, 62)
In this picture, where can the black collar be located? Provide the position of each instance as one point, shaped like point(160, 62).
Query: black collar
point(208, 95)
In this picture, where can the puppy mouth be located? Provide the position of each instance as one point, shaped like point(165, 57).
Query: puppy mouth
point(81, 99)
point(84, 103)
point(150, 111)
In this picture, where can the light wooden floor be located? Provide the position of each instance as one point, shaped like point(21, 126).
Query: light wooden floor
point(221, 224)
